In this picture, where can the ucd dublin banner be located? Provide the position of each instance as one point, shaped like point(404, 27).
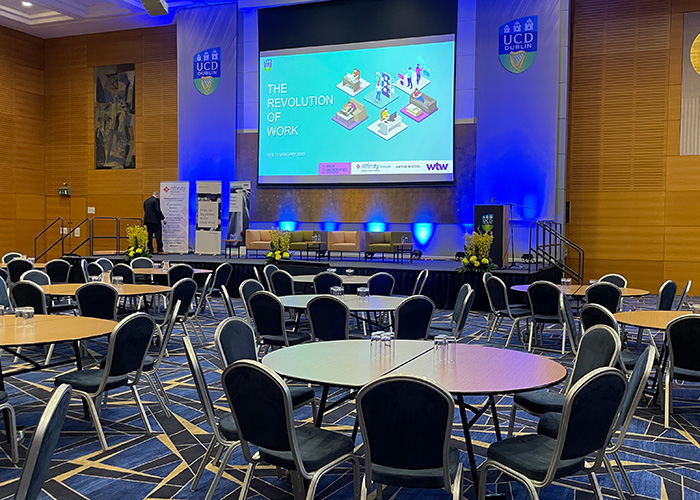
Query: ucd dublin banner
point(517, 44)
point(207, 70)
point(174, 197)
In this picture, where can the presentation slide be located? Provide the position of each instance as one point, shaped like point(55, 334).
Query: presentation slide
point(371, 112)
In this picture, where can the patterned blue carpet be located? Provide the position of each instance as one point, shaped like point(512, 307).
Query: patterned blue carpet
point(662, 464)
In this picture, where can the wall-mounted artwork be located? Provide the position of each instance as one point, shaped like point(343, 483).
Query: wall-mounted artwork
point(115, 138)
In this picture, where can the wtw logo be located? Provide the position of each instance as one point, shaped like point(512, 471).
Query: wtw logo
point(437, 166)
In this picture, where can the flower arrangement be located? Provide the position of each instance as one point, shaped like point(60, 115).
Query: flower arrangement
point(138, 243)
point(279, 245)
point(476, 252)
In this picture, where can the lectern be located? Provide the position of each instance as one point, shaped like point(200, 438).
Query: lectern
point(494, 218)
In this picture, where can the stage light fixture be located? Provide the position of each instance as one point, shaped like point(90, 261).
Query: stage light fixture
point(459, 256)
point(527, 257)
point(155, 7)
point(416, 254)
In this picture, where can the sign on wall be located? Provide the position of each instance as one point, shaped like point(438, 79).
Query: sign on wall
point(174, 201)
point(517, 44)
point(208, 230)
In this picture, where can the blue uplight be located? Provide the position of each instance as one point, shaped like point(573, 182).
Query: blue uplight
point(288, 225)
point(329, 226)
point(376, 227)
point(423, 231)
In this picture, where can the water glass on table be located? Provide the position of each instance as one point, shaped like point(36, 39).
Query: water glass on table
point(338, 291)
point(118, 282)
point(350, 272)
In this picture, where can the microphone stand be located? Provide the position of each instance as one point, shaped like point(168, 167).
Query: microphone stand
point(510, 204)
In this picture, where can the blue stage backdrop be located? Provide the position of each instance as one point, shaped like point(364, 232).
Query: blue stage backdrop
point(207, 74)
point(517, 76)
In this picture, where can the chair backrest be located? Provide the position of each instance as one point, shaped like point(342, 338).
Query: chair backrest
point(635, 390)
point(282, 283)
point(125, 272)
point(267, 313)
point(4, 275)
point(84, 271)
point(544, 298)
point(221, 277)
point(43, 444)
point(4, 295)
point(566, 317)
point(165, 332)
point(36, 276)
point(58, 270)
point(329, 318)
point(235, 340)
point(420, 282)
point(684, 294)
point(202, 387)
point(97, 300)
point(683, 341)
point(262, 408)
point(605, 294)
point(615, 279)
point(257, 275)
point(94, 269)
point(463, 305)
point(589, 417)
point(245, 290)
point(381, 284)
point(206, 289)
point(183, 291)
point(599, 348)
point(593, 314)
point(497, 293)
point(413, 316)
point(17, 267)
point(128, 346)
point(28, 294)
point(9, 256)
point(267, 271)
point(141, 263)
point(179, 272)
point(228, 305)
point(105, 264)
point(667, 292)
point(325, 280)
point(406, 423)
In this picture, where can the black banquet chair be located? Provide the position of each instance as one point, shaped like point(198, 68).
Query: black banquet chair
point(413, 316)
point(58, 270)
point(97, 300)
point(588, 418)
point(683, 348)
point(282, 283)
point(268, 317)
point(325, 280)
point(458, 318)
point(329, 318)
point(381, 284)
point(43, 444)
point(544, 304)
point(262, 409)
point(9, 256)
point(179, 272)
point(406, 425)
point(17, 267)
point(497, 293)
point(246, 290)
point(605, 294)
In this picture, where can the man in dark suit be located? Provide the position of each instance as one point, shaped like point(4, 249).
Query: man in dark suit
point(152, 217)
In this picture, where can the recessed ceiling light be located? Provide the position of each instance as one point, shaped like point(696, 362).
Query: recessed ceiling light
point(26, 4)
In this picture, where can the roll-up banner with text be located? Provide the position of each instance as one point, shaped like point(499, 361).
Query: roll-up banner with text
point(208, 232)
point(174, 203)
point(239, 213)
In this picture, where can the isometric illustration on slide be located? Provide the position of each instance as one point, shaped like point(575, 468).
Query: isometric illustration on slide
point(353, 83)
point(388, 125)
point(351, 114)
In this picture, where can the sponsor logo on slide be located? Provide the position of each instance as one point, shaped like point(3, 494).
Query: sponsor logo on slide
point(382, 167)
point(437, 166)
point(517, 44)
point(207, 70)
point(334, 169)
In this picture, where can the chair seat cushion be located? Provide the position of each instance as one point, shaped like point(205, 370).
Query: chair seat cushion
point(516, 312)
point(148, 363)
point(317, 447)
point(685, 374)
point(294, 338)
point(531, 455)
point(540, 402)
point(301, 394)
point(549, 424)
point(89, 380)
point(411, 478)
point(629, 358)
point(546, 318)
point(227, 426)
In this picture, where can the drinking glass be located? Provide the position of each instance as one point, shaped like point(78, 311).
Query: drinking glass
point(28, 317)
point(338, 291)
point(95, 278)
point(592, 282)
point(332, 270)
point(118, 282)
point(349, 272)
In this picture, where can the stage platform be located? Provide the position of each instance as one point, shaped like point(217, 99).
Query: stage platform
point(442, 286)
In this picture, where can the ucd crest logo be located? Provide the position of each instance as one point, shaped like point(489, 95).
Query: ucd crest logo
point(267, 64)
point(487, 223)
point(517, 44)
point(207, 70)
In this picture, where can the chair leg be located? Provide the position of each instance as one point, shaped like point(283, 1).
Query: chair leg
point(512, 328)
point(96, 421)
point(668, 395)
point(157, 394)
point(298, 488)
point(596, 487)
point(639, 336)
point(219, 473)
point(162, 390)
point(363, 489)
point(203, 465)
point(625, 478)
point(532, 332)
point(246, 481)
point(49, 354)
point(511, 422)
point(611, 472)
point(142, 410)
point(12, 433)
point(457, 485)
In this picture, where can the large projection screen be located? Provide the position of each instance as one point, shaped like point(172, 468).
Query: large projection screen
point(356, 107)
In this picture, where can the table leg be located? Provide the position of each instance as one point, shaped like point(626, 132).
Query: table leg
point(494, 414)
point(468, 441)
point(321, 406)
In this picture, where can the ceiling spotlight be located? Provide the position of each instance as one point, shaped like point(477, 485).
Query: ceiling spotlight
point(26, 4)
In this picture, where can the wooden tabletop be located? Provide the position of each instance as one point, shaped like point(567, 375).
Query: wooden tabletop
point(656, 320)
point(474, 369)
point(159, 271)
point(347, 280)
point(580, 290)
point(69, 289)
point(372, 303)
point(37, 265)
point(53, 328)
point(342, 363)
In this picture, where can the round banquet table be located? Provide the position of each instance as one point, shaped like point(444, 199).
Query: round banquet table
point(126, 290)
point(37, 265)
point(371, 303)
point(308, 279)
point(159, 271)
point(580, 290)
point(468, 370)
point(655, 320)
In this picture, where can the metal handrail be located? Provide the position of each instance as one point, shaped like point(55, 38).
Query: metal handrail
point(87, 238)
point(549, 245)
point(93, 237)
point(60, 240)
point(120, 237)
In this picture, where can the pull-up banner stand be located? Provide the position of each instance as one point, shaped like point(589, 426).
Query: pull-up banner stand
point(239, 213)
point(174, 198)
point(208, 231)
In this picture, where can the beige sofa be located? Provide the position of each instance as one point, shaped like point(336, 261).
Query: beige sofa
point(257, 239)
point(384, 242)
point(346, 241)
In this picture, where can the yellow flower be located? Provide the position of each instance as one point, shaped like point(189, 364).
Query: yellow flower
point(138, 250)
point(269, 254)
point(473, 258)
point(131, 254)
point(465, 261)
point(476, 264)
point(285, 255)
point(484, 260)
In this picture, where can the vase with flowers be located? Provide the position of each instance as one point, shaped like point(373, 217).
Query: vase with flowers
point(138, 243)
point(279, 246)
point(476, 252)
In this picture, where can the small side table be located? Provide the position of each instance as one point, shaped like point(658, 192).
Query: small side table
point(319, 247)
point(229, 245)
point(400, 249)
